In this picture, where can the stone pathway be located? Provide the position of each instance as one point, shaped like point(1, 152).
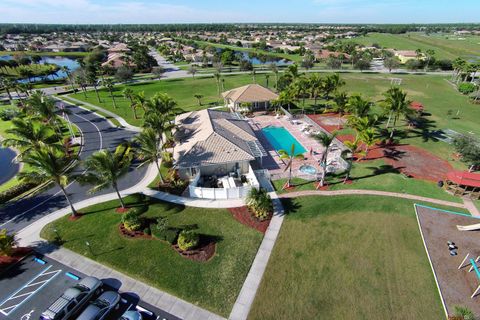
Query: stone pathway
point(471, 207)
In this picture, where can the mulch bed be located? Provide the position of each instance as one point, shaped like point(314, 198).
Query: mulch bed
point(245, 217)
point(17, 255)
point(132, 234)
point(76, 217)
point(122, 210)
point(202, 254)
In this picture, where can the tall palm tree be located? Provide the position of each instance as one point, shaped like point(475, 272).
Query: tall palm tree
point(48, 166)
point(340, 101)
point(315, 87)
point(326, 140)
point(128, 94)
point(331, 84)
point(290, 157)
point(397, 105)
point(217, 77)
point(267, 78)
point(104, 168)
point(138, 102)
point(273, 67)
point(28, 136)
point(7, 84)
point(108, 83)
point(149, 149)
point(43, 107)
point(285, 99)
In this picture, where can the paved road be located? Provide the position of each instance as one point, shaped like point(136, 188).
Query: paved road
point(171, 70)
point(97, 134)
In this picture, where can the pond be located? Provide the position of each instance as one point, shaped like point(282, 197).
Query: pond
point(63, 61)
point(8, 168)
point(258, 59)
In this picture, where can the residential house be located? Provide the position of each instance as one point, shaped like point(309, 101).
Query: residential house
point(255, 96)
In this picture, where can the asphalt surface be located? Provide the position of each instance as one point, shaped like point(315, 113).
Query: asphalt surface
point(98, 134)
point(29, 288)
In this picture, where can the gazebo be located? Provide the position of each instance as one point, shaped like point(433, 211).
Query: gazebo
point(463, 183)
point(255, 96)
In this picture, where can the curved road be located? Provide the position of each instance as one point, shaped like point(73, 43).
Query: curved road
point(98, 134)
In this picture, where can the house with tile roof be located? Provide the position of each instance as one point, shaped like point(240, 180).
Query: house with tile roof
point(216, 150)
point(254, 95)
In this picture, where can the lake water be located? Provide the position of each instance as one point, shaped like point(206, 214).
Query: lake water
point(69, 62)
point(8, 169)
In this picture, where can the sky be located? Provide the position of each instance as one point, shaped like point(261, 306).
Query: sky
point(231, 11)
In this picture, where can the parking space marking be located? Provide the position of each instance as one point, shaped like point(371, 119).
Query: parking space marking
point(13, 301)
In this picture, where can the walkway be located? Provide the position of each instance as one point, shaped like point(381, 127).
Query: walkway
point(471, 207)
point(371, 193)
point(245, 299)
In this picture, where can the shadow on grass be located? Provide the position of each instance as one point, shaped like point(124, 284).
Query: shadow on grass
point(290, 205)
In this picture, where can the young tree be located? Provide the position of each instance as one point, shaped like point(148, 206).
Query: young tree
point(391, 63)
point(290, 157)
point(199, 98)
point(326, 140)
point(158, 71)
point(192, 70)
point(108, 83)
point(104, 168)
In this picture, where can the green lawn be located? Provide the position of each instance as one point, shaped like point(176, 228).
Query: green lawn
point(438, 96)
point(445, 46)
point(348, 258)
point(213, 285)
point(182, 90)
point(375, 175)
point(37, 69)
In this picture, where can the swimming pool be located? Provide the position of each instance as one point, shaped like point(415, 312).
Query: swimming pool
point(281, 139)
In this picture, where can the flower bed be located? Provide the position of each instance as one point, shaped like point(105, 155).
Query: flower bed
point(246, 217)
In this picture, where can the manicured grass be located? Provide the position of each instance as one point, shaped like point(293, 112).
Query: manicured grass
point(37, 69)
point(182, 90)
point(213, 285)
point(445, 46)
point(349, 257)
point(36, 53)
point(438, 96)
point(375, 175)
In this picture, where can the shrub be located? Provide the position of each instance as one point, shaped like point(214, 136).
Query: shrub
point(131, 221)
point(464, 313)
point(147, 231)
point(8, 114)
point(7, 242)
point(260, 203)
point(466, 87)
point(17, 190)
point(188, 240)
point(168, 234)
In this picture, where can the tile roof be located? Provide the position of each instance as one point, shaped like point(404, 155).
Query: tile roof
point(214, 137)
point(250, 93)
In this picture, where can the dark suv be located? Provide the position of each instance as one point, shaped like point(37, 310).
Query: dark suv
point(72, 299)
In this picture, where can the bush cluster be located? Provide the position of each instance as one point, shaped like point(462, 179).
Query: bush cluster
point(260, 203)
point(188, 240)
point(162, 231)
point(15, 191)
point(466, 87)
point(8, 114)
point(132, 221)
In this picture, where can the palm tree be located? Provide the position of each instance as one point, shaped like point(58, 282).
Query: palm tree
point(104, 168)
point(326, 140)
point(192, 70)
point(108, 83)
point(369, 138)
point(28, 136)
point(254, 76)
point(354, 147)
point(128, 94)
point(358, 106)
point(138, 102)
point(331, 84)
point(285, 99)
point(397, 105)
point(48, 166)
point(43, 107)
point(199, 98)
point(273, 67)
point(315, 83)
point(217, 77)
point(267, 78)
point(340, 101)
point(149, 149)
point(7, 84)
point(289, 157)
point(348, 157)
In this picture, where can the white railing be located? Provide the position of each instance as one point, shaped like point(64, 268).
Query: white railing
point(224, 193)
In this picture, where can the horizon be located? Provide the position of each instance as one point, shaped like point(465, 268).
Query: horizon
point(215, 12)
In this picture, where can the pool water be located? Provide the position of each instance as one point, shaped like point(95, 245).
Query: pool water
point(281, 139)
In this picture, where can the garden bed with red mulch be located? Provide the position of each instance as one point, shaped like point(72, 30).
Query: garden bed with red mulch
point(132, 234)
point(245, 217)
point(18, 254)
point(202, 254)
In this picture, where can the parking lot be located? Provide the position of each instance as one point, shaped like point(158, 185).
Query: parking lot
point(33, 284)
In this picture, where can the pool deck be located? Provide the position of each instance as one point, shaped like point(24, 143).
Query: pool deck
point(273, 163)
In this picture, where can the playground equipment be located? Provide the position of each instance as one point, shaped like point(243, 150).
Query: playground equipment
point(463, 184)
point(473, 266)
point(472, 227)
